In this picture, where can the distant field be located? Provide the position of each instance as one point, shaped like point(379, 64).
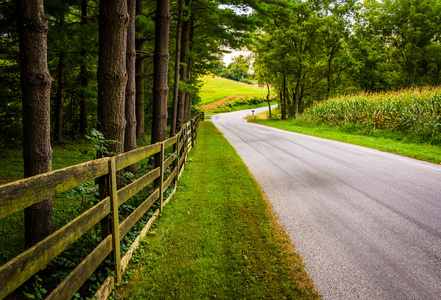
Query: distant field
point(217, 88)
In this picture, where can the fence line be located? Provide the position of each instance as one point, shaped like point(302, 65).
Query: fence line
point(18, 195)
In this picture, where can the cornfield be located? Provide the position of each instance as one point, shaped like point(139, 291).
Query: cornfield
point(411, 111)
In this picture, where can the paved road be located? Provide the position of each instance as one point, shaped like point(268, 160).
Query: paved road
point(367, 223)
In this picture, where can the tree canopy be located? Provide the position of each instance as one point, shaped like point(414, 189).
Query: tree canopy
point(306, 50)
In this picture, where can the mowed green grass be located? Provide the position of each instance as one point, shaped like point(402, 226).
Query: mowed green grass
point(393, 142)
point(217, 88)
point(217, 239)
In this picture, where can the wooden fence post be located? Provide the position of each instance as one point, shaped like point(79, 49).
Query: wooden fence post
point(176, 164)
point(185, 141)
point(192, 133)
point(161, 177)
point(116, 253)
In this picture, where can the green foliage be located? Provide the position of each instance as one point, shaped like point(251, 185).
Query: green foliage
point(414, 112)
point(238, 70)
point(143, 25)
point(329, 48)
point(100, 143)
point(38, 290)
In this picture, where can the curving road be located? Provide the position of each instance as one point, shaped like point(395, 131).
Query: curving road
point(367, 223)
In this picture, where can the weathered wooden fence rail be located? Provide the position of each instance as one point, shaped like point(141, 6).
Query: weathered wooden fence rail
point(18, 195)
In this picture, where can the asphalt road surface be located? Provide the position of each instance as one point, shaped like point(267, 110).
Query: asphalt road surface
point(367, 223)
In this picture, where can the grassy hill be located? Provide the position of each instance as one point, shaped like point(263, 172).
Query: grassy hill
point(216, 88)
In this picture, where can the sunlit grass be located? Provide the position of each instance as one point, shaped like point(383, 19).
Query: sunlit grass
point(398, 143)
point(217, 239)
point(216, 88)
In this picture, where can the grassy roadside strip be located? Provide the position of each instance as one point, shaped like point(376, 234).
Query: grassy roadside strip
point(218, 239)
point(397, 143)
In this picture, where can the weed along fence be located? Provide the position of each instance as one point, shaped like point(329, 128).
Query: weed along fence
point(16, 196)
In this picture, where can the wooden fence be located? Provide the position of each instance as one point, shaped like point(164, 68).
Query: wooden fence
point(18, 195)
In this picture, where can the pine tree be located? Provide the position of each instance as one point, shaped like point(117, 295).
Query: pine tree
point(36, 84)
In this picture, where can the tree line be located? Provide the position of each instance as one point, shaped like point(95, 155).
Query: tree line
point(312, 50)
point(69, 66)
point(130, 68)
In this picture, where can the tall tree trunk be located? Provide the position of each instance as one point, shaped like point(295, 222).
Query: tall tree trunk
point(281, 101)
point(189, 61)
point(112, 74)
point(84, 81)
point(139, 70)
point(35, 84)
point(183, 59)
point(297, 99)
point(83, 105)
point(59, 101)
point(329, 72)
point(130, 106)
point(284, 98)
point(268, 99)
point(177, 67)
point(160, 77)
point(112, 81)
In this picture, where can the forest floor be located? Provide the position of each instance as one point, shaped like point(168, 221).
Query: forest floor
point(218, 238)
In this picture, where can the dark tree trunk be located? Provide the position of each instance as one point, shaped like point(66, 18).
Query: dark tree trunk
point(112, 81)
point(35, 84)
point(189, 61)
point(187, 110)
point(297, 99)
point(83, 114)
point(112, 75)
point(177, 67)
point(139, 70)
point(160, 84)
point(281, 102)
point(130, 107)
point(59, 101)
point(84, 81)
point(284, 98)
point(268, 99)
point(183, 59)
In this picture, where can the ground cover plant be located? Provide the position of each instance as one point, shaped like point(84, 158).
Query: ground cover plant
point(217, 239)
point(215, 88)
